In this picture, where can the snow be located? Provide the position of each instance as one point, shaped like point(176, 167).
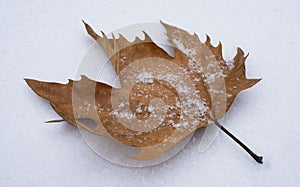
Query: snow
point(46, 41)
point(151, 108)
point(229, 64)
point(145, 77)
point(188, 52)
point(193, 108)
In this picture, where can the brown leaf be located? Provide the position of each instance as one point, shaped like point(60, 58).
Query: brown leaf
point(234, 71)
point(157, 112)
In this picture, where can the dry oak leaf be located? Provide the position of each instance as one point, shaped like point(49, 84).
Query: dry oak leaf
point(162, 99)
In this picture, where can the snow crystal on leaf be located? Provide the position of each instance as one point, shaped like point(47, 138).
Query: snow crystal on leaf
point(145, 77)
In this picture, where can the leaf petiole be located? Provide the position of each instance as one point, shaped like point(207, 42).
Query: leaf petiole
point(257, 158)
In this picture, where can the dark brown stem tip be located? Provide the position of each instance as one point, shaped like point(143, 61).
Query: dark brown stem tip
point(258, 159)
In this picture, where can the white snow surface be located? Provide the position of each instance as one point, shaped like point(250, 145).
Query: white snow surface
point(46, 40)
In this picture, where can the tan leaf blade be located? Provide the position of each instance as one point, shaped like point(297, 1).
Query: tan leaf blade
point(215, 82)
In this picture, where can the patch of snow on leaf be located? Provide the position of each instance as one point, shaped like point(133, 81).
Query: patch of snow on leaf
point(195, 66)
point(211, 77)
point(151, 108)
point(230, 64)
point(183, 89)
point(195, 107)
point(145, 77)
point(188, 52)
point(122, 115)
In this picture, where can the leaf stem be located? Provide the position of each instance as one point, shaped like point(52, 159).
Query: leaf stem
point(257, 158)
